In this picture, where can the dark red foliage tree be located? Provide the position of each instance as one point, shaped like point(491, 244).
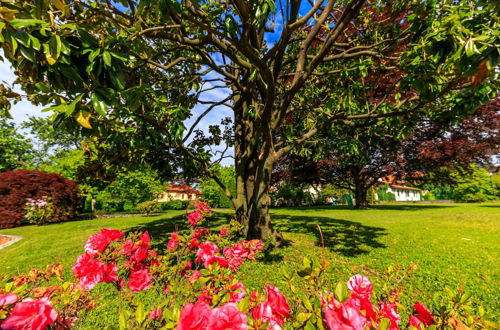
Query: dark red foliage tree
point(19, 185)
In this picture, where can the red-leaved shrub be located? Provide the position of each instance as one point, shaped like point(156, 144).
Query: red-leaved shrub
point(19, 185)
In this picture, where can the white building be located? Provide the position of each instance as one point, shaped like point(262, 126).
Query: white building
point(405, 193)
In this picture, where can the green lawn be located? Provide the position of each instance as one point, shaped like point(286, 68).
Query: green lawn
point(454, 246)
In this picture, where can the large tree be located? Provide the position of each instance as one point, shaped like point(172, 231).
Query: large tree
point(131, 71)
point(16, 151)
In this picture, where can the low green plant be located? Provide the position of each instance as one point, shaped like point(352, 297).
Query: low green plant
point(148, 207)
point(174, 205)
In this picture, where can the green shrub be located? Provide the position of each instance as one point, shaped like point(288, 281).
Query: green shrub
point(384, 195)
point(148, 207)
point(174, 205)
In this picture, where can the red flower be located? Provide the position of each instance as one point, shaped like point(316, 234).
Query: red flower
point(194, 243)
point(423, 314)
point(194, 316)
point(278, 302)
point(8, 299)
point(227, 317)
point(263, 313)
point(203, 208)
point(389, 311)
point(414, 322)
point(139, 280)
point(220, 260)
point(236, 297)
point(223, 231)
point(199, 232)
point(97, 243)
point(360, 286)
point(174, 241)
point(195, 276)
point(342, 316)
point(194, 218)
point(90, 271)
point(205, 251)
point(31, 314)
point(156, 314)
point(110, 273)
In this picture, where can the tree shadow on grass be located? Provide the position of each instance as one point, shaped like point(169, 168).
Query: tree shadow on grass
point(395, 207)
point(347, 238)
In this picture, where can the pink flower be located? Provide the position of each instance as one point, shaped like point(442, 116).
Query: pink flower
point(389, 311)
point(223, 231)
point(8, 299)
point(414, 322)
point(362, 304)
point(263, 313)
point(205, 251)
point(110, 273)
point(31, 314)
point(221, 261)
point(156, 314)
point(139, 280)
point(199, 232)
point(203, 208)
point(278, 302)
point(194, 316)
point(90, 271)
point(194, 243)
point(97, 243)
point(236, 297)
point(227, 317)
point(174, 241)
point(360, 286)
point(342, 316)
point(195, 276)
point(194, 218)
point(423, 314)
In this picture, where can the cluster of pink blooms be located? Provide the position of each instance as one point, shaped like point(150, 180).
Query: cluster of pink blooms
point(197, 216)
point(27, 314)
point(358, 312)
point(34, 203)
point(90, 270)
point(273, 312)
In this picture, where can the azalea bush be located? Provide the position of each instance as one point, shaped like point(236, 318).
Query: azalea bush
point(196, 280)
point(39, 211)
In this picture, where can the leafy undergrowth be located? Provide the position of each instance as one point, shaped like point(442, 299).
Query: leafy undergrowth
point(454, 246)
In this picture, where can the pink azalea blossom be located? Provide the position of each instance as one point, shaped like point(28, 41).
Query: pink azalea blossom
point(203, 208)
point(342, 316)
point(423, 314)
point(97, 243)
point(235, 296)
point(156, 314)
point(389, 311)
point(227, 317)
point(173, 243)
point(90, 271)
point(194, 218)
point(205, 251)
point(31, 314)
point(139, 280)
point(8, 299)
point(194, 316)
point(223, 231)
point(360, 286)
point(263, 313)
point(278, 302)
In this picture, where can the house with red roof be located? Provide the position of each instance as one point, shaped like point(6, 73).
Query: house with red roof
point(180, 192)
point(401, 191)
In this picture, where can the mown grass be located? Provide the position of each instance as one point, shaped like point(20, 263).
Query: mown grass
point(456, 246)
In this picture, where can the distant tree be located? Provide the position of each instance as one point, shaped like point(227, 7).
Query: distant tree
point(132, 186)
point(474, 185)
point(212, 192)
point(16, 151)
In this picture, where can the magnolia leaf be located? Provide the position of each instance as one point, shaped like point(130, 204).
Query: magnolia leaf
point(24, 23)
point(83, 118)
point(140, 314)
point(99, 105)
point(107, 59)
